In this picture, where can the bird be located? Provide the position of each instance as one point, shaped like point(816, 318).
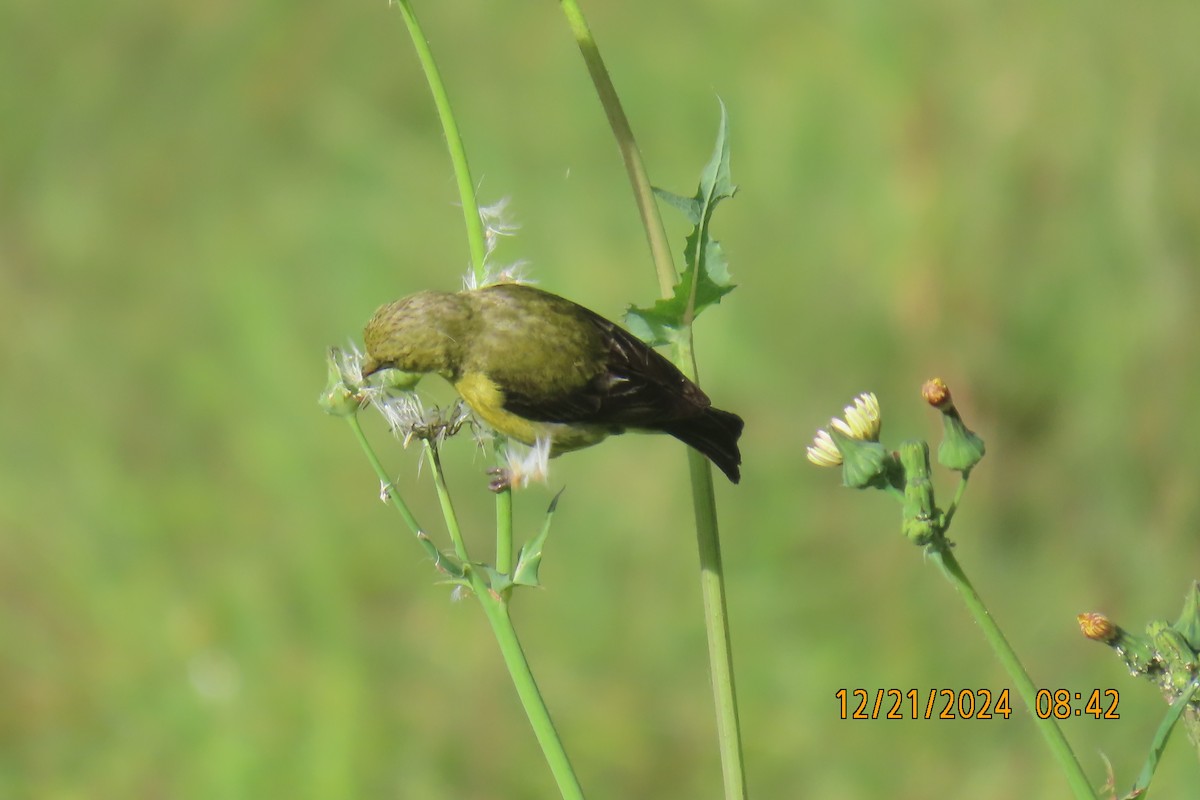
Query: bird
point(536, 366)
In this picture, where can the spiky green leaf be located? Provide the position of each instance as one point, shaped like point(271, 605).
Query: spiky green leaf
point(705, 279)
point(529, 560)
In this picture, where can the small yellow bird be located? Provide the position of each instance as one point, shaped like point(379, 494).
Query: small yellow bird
point(534, 365)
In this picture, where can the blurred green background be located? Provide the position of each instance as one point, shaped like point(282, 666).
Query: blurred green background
point(200, 593)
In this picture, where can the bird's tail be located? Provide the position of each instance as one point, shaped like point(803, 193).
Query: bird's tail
point(715, 434)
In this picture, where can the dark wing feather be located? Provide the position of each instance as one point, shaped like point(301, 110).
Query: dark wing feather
point(612, 379)
point(634, 387)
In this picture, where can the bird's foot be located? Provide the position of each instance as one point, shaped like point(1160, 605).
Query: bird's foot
point(522, 468)
point(501, 479)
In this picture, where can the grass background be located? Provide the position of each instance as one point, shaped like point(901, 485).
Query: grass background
point(200, 594)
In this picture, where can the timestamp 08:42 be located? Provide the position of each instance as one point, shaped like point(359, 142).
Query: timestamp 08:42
point(970, 704)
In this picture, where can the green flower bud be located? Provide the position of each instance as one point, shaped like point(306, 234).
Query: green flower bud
point(1137, 653)
point(922, 520)
point(1177, 656)
point(864, 464)
point(960, 449)
point(342, 396)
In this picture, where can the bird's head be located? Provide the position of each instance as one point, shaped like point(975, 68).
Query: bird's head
point(425, 332)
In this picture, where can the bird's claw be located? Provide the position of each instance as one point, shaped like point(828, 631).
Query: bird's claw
point(502, 479)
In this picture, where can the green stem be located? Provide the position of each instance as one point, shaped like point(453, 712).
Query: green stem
point(1058, 744)
point(451, 517)
point(496, 610)
point(716, 623)
point(712, 582)
point(384, 479)
point(716, 616)
point(494, 607)
point(643, 192)
point(958, 496)
point(504, 548)
point(454, 142)
point(527, 690)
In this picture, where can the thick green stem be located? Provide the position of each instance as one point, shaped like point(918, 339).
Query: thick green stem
point(454, 142)
point(643, 192)
point(712, 581)
point(496, 610)
point(716, 623)
point(1025, 687)
point(716, 615)
point(504, 548)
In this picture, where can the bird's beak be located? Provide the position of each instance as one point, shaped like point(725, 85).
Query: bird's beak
point(370, 366)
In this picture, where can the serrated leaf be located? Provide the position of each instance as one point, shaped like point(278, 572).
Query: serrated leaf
point(657, 325)
point(691, 207)
point(716, 176)
point(529, 560)
point(705, 279)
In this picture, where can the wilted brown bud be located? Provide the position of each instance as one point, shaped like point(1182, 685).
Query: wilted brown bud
point(1097, 627)
point(937, 394)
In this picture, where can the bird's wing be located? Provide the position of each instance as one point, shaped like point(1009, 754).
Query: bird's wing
point(632, 385)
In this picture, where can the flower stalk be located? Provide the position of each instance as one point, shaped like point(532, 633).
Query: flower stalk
point(853, 444)
point(712, 574)
point(408, 419)
point(464, 572)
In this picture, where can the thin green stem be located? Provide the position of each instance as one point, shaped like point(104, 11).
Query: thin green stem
point(504, 549)
point(496, 610)
point(716, 616)
point(958, 496)
point(443, 493)
point(643, 192)
point(716, 623)
point(504, 533)
point(494, 606)
point(712, 582)
point(1025, 687)
point(384, 479)
point(454, 142)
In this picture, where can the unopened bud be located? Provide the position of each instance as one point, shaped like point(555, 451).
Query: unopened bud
point(1136, 651)
point(864, 464)
point(1176, 654)
point(936, 393)
point(1097, 627)
point(960, 449)
point(922, 521)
